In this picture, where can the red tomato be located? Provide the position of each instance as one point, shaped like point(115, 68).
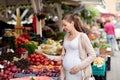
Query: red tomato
point(38, 60)
point(33, 59)
point(37, 53)
point(31, 56)
point(58, 63)
point(28, 59)
point(36, 56)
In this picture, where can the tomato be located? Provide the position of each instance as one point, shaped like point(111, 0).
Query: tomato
point(37, 53)
point(33, 59)
point(38, 63)
point(58, 63)
point(28, 59)
point(31, 56)
point(36, 56)
point(38, 60)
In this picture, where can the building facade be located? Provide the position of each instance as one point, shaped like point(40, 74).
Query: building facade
point(113, 6)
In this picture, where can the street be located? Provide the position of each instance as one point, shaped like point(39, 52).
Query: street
point(114, 73)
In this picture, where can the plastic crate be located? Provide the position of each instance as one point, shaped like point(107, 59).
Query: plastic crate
point(100, 71)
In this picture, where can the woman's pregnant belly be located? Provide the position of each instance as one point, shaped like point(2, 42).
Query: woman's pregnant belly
point(70, 60)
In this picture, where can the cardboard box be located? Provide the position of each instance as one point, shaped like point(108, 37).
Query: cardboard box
point(105, 51)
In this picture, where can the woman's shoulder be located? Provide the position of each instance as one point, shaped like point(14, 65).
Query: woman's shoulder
point(82, 34)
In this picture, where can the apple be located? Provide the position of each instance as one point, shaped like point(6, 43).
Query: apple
point(1, 73)
point(14, 69)
point(18, 70)
point(5, 76)
point(58, 63)
point(10, 73)
point(6, 72)
point(12, 64)
point(9, 69)
point(52, 62)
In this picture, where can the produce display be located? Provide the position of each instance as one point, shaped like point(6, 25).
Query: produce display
point(9, 57)
point(51, 47)
point(98, 61)
point(33, 78)
point(25, 42)
point(22, 64)
point(21, 51)
point(92, 36)
point(99, 67)
point(22, 39)
point(37, 62)
point(39, 58)
point(30, 46)
point(105, 45)
point(51, 71)
point(42, 66)
point(8, 70)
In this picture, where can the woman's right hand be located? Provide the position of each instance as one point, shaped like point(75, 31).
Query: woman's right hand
point(75, 69)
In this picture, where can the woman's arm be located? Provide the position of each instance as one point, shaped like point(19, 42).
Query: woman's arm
point(89, 51)
point(56, 58)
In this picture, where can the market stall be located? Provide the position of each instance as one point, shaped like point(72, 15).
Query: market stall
point(103, 50)
point(30, 56)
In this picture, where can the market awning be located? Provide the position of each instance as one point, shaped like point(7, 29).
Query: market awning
point(104, 12)
point(101, 9)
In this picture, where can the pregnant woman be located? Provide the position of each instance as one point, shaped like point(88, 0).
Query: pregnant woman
point(78, 51)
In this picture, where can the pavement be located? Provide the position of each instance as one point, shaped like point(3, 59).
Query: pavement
point(114, 72)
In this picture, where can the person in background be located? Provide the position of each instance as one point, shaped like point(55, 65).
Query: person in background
point(3, 26)
point(117, 31)
point(110, 33)
point(77, 54)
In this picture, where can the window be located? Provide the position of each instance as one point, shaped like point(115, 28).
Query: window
point(118, 6)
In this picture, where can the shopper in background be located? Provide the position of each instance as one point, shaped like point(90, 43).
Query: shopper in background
point(110, 33)
point(78, 53)
point(3, 26)
point(117, 31)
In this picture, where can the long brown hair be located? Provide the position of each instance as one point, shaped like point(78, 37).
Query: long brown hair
point(76, 19)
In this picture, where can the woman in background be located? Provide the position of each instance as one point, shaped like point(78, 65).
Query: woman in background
point(110, 33)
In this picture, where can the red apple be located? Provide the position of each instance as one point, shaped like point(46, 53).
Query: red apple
point(58, 63)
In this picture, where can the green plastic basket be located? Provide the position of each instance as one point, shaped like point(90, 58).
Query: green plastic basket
point(99, 71)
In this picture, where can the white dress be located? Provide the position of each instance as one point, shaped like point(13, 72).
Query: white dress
point(71, 58)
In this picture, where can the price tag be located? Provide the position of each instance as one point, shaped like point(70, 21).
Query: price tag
point(12, 50)
point(39, 47)
point(99, 65)
point(1, 66)
point(108, 49)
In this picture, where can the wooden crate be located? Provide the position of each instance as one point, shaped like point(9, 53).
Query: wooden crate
point(104, 51)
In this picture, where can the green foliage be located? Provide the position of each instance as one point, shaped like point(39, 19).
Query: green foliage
point(1, 7)
point(89, 14)
point(58, 36)
point(30, 46)
point(66, 8)
point(94, 13)
point(105, 45)
point(95, 45)
point(32, 78)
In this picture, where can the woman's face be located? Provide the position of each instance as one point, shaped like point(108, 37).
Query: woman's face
point(67, 26)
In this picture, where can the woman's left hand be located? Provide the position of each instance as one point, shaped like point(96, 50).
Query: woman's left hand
point(75, 69)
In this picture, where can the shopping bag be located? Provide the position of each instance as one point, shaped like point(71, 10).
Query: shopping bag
point(91, 78)
point(116, 46)
point(117, 33)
